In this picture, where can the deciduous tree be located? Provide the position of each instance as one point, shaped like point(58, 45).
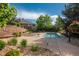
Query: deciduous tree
point(7, 13)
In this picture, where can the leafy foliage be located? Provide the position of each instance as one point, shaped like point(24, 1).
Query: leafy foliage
point(29, 30)
point(7, 13)
point(71, 11)
point(13, 53)
point(44, 23)
point(17, 34)
point(75, 26)
point(59, 23)
point(35, 47)
point(13, 41)
point(23, 43)
point(2, 44)
point(18, 24)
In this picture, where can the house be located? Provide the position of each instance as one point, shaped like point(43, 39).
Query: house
point(75, 21)
point(28, 25)
point(25, 23)
point(74, 26)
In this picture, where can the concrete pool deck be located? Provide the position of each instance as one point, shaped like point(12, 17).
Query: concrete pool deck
point(61, 47)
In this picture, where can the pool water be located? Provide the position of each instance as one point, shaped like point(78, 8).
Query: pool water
point(52, 35)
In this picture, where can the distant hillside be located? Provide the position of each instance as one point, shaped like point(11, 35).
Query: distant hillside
point(33, 21)
point(30, 21)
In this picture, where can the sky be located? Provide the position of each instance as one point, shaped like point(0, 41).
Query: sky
point(34, 10)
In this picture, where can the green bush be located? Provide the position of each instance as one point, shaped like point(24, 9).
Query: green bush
point(23, 43)
point(2, 44)
point(17, 34)
point(75, 26)
point(13, 41)
point(35, 47)
point(30, 31)
point(13, 53)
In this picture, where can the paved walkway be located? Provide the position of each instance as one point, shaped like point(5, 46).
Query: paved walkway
point(62, 47)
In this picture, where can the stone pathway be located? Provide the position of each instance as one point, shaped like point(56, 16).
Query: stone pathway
point(61, 47)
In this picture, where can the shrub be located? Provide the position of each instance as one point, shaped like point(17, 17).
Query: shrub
point(30, 31)
point(13, 53)
point(13, 41)
point(2, 44)
point(35, 47)
point(75, 26)
point(17, 34)
point(23, 43)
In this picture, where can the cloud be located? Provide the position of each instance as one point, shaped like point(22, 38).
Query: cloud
point(53, 18)
point(34, 15)
point(28, 15)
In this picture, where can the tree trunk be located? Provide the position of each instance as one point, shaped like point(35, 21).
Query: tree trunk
point(69, 36)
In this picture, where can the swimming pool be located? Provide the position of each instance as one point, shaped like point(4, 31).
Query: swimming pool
point(52, 35)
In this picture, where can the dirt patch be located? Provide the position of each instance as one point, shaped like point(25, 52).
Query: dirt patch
point(41, 52)
point(27, 51)
point(9, 30)
point(7, 49)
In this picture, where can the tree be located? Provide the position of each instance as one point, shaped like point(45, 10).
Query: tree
point(7, 13)
point(44, 23)
point(40, 23)
point(59, 23)
point(18, 24)
point(71, 11)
